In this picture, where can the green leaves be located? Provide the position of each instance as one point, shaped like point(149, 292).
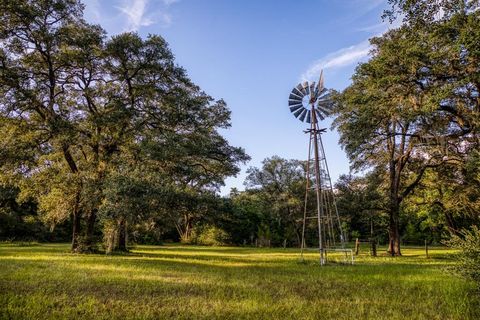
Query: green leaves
point(468, 242)
point(99, 112)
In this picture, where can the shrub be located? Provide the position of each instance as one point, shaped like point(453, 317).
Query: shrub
point(210, 236)
point(468, 242)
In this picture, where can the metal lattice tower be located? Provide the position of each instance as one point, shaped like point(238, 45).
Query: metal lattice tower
point(312, 103)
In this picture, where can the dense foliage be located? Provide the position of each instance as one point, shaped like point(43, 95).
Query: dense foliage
point(103, 130)
point(413, 110)
point(468, 242)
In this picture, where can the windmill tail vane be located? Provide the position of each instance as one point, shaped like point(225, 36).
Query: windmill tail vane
point(321, 225)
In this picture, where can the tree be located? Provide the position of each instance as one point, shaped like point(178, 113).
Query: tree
point(361, 204)
point(414, 103)
point(86, 108)
point(35, 71)
point(281, 185)
point(448, 198)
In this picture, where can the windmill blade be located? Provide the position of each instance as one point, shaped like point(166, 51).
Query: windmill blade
point(303, 115)
point(293, 96)
point(325, 100)
point(293, 102)
point(297, 92)
point(300, 88)
point(326, 94)
point(295, 108)
point(319, 115)
point(315, 93)
point(323, 92)
point(306, 87)
point(313, 90)
point(297, 113)
point(325, 103)
point(320, 81)
point(324, 111)
point(309, 116)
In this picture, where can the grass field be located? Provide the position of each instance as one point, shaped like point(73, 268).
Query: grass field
point(162, 282)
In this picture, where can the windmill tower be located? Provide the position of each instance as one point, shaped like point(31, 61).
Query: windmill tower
point(312, 103)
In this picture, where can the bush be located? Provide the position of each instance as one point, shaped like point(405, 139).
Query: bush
point(210, 236)
point(468, 242)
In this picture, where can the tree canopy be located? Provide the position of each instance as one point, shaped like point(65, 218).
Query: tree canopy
point(85, 116)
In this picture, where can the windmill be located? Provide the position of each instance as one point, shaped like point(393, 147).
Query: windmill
point(312, 103)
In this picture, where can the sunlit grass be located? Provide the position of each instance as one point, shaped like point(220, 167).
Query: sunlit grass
point(46, 281)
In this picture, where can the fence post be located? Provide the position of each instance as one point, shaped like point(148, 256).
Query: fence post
point(426, 248)
point(357, 246)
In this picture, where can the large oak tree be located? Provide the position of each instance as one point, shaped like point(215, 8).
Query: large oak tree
point(415, 105)
point(79, 112)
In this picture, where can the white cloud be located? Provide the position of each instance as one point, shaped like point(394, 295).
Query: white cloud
point(340, 58)
point(140, 14)
point(349, 55)
point(135, 12)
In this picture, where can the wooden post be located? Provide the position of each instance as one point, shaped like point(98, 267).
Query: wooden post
point(373, 247)
point(357, 246)
point(426, 248)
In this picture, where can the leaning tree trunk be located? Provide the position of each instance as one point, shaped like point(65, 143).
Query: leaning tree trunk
point(450, 221)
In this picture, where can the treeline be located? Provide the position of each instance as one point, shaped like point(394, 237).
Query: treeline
point(106, 140)
point(268, 213)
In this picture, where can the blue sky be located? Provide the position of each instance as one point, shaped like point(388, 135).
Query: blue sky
point(252, 53)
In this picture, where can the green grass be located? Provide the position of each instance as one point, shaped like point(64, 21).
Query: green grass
point(44, 281)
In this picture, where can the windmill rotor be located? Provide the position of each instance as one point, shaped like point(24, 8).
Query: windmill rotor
point(306, 98)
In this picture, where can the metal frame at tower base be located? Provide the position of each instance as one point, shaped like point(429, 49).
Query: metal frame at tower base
point(318, 179)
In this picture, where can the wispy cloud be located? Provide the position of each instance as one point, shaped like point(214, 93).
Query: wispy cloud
point(140, 14)
point(349, 55)
point(135, 13)
point(340, 58)
point(364, 6)
point(379, 28)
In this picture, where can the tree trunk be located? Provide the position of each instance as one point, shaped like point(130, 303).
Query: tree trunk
point(394, 209)
point(122, 235)
point(76, 210)
point(185, 236)
point(393, 230)
point(450, 221)
point(89, 245)
point(75, 229)
point(299, 237)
